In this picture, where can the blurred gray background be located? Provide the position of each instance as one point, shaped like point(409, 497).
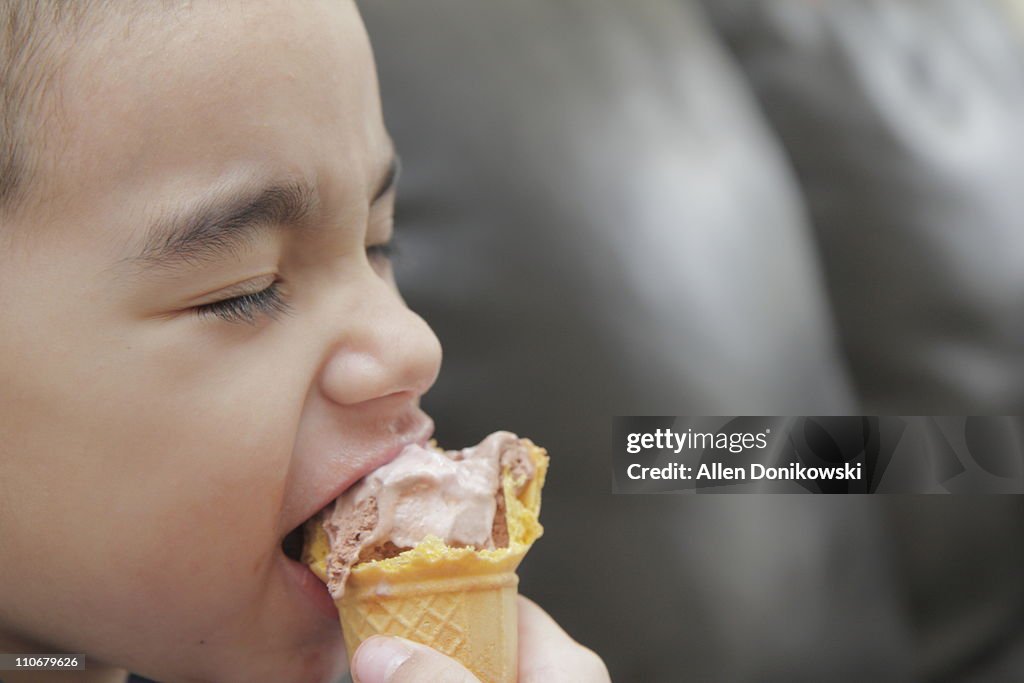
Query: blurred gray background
point(763, 207)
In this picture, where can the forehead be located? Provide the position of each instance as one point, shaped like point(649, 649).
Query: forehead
point(174, 100)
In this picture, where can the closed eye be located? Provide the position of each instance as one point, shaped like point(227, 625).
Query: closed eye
point(384, 251)
point(245, 308)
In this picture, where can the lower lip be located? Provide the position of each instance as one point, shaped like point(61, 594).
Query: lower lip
point(312, 587)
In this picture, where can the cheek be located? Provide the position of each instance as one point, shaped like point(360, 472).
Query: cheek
point(203, 468)
point(181, 486)
point(150, 486)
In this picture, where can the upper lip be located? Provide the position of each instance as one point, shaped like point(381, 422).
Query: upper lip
point(419, 432)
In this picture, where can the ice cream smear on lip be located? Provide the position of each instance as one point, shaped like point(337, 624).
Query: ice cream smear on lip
point(455, 496)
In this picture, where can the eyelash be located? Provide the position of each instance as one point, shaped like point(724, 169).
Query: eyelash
point(269, 301)
point(245, 307)
point(385, 250)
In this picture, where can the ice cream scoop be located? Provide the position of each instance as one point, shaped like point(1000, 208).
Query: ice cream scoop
point(426, 547)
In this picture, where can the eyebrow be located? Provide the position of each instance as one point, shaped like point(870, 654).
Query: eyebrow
point(222, 224)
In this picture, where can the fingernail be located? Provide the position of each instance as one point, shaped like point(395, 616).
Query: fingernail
point(378, 658)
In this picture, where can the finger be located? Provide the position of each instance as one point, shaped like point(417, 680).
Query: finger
point(388, 659)
point(547, 653)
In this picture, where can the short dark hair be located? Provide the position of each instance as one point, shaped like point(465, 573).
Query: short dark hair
point(28, 29)
point(35, 38)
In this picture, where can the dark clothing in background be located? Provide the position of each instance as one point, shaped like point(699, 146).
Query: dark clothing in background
point(904, 120)
point(598, 218)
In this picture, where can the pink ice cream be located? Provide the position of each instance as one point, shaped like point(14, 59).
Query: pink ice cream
point(454, 495)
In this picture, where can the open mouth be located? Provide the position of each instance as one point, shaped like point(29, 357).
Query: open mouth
point(293, 542)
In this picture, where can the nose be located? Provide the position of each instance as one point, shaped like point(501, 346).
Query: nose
point(390, 350)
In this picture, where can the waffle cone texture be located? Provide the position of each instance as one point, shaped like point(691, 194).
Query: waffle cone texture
point(459, 601)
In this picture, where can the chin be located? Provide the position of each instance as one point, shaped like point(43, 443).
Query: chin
point(288, 657)
point(312, 665)
point(324, 661)
point(324, 666)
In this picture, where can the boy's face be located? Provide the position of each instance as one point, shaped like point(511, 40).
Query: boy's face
point(155, 446)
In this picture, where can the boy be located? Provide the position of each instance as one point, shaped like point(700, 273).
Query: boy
point(201, 344)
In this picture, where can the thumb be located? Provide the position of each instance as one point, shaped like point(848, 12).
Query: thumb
point(389, 659)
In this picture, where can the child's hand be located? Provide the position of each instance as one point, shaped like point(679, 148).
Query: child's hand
point(546, 653)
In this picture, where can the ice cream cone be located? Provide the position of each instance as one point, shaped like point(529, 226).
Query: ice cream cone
point(459, 601)
point(470, 618)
